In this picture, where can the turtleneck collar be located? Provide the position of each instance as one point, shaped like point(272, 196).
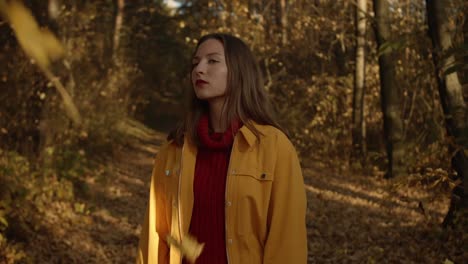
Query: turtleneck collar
point(213, 140)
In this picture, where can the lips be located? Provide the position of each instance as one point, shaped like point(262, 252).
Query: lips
point(200, 82)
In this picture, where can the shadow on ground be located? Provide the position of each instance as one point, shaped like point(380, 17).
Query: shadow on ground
point(357, 219)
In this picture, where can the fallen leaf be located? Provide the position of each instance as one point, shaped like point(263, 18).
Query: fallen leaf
point(189, 247)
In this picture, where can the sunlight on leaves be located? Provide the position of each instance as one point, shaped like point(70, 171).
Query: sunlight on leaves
point(79, 207)
point(3, 221)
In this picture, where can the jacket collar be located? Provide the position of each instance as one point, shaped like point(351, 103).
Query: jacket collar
point(248, 134)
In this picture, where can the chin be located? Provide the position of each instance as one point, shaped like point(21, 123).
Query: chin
point(206, 95)
point(203, 95)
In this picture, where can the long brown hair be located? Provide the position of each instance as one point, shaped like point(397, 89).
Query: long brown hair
point(246, 98)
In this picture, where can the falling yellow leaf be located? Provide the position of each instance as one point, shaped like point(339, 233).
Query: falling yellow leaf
point(39, 44)
point(189, 247)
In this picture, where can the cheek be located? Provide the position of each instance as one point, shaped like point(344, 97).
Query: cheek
point(223, 75)
point(225, 80)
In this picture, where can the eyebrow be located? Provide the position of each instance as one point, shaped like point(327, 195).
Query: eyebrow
point(209, 54)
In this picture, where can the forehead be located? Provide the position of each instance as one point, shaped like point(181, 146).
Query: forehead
point(210, 46)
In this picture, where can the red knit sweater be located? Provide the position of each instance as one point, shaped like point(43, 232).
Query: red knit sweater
point(207, 223)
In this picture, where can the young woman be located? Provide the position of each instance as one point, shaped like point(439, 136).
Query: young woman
point(228, 176)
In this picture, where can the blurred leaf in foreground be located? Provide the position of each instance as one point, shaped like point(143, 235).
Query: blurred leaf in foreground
point(39, 44)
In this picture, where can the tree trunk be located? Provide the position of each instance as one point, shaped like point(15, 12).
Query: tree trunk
point(453, 104)
point(229, 12)
point(50, 126)
point(359, 124)
point(117, 52)
point(118, 30)
point(266, 14)
point(464, 77)
point(282, 21)
point(390, 94)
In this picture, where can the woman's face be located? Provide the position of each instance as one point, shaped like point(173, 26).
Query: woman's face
point(209, 73)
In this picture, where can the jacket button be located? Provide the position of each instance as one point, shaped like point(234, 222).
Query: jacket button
point(228, 203)
point(230, 241)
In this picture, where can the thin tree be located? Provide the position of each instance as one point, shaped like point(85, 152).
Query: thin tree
point(118, 31)
point(359, 124)
point(117, 52)
point(451, 96)
point(389, 91)
point(282, 21)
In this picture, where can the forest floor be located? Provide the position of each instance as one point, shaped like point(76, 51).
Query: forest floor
point(351, 218)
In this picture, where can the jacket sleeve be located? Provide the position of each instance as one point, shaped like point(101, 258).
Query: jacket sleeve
point(287, 234)
point(152, 249)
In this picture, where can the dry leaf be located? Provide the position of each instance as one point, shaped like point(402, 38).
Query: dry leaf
point(39, 44)
point(189, 247)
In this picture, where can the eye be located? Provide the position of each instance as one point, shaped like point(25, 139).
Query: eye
point(211, 61)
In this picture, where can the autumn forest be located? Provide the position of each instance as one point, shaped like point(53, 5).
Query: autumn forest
point(373, 94)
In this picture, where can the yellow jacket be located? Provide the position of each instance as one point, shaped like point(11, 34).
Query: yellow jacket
point(265, 201)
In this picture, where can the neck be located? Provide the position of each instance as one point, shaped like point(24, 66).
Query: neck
point(216, 115)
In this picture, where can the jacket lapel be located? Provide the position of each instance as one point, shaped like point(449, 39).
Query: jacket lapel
point(187, 171)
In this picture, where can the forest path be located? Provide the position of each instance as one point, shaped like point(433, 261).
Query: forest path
point(350, 218)
point(367, 219)
point(103, 223)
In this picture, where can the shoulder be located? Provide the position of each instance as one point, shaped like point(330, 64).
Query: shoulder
point(271, 133)
point(165, 149)
point(279, 149)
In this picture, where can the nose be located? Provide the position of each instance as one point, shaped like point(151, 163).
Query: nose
point(200, 68)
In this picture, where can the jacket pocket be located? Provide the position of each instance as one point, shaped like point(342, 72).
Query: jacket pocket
point(253, 189)
point(259, 175)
